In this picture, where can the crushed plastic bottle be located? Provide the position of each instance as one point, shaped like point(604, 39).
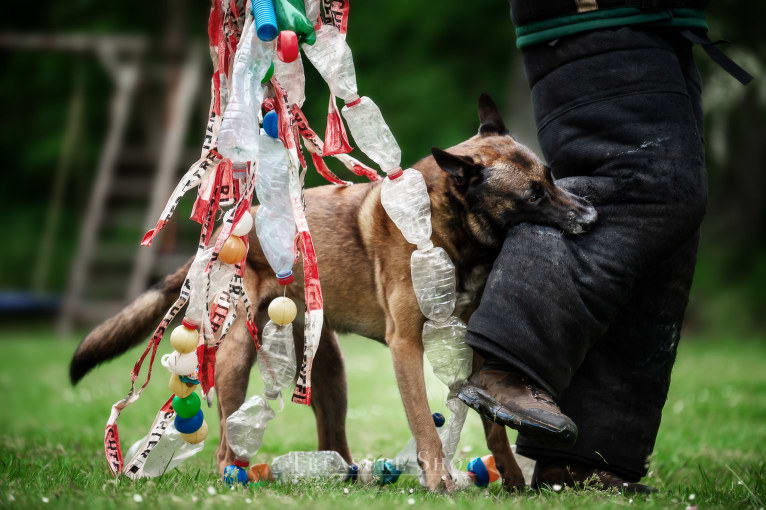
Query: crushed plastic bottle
point(170, 452)
point(290, 75)
point(407, 203)
point(406, 461)
point(372, 135)
point(276, 231)
point(433, 279)
point(450, 433)
point(295, 466)
point(246, 425)
point(238, 136)
point(331, 56)
point(271, 183)
point(447, 352)
point(276, 358)
point(202, 293)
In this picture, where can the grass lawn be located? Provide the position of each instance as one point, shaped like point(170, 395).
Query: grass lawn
point(711, 450)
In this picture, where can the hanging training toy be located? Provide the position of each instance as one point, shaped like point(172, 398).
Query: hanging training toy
point(252, 145)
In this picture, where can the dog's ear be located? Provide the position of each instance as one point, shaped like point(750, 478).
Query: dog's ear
point(490, 120)
point(460, 168)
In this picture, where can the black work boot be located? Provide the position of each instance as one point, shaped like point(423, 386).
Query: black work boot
point(553, 472)
point(511, 399)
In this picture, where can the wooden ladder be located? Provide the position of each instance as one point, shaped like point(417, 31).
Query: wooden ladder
point(110, 267)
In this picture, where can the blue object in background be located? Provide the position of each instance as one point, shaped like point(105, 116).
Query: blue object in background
point(271, 124)
point(438, 419)
point(189, 425)
point(234, 474)
point(265, 19)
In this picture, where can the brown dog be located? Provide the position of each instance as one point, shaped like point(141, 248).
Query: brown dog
point(478, 189)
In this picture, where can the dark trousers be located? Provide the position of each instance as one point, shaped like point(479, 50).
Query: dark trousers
point(595, 318)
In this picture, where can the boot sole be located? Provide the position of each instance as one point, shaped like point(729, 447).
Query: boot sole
point(487, 406)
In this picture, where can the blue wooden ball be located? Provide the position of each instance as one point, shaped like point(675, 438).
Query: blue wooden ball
point(189, 425)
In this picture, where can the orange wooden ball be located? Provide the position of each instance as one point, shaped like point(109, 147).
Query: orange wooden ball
point(233, 250)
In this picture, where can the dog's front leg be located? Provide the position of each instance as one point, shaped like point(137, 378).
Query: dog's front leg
point(403, 336)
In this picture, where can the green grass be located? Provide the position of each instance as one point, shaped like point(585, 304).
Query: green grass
point(710, 451)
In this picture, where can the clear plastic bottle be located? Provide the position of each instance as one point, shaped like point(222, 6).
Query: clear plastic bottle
point(246, 425)
point(446, 350)
point(238, 136)
point(290, 75)
point(275, 228)
point(331, 56)
point(168, 453)
point(276, 358)
point(312, 10)
point(372, 135)
point(406, 460)
point(433, 279)
point(407, 203)
point(450, 433)
point(202, 292)
point(271, 182)
point(295, 466)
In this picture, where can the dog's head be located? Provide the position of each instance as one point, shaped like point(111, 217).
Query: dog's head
point(500, 183)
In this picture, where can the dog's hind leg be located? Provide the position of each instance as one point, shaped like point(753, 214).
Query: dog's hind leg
point(497, 442)
point(234, 360)
point(329, 395)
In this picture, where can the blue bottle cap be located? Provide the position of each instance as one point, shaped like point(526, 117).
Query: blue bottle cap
point(385, 472)
point(271, 124)
point(438, 419)
point(353, 472)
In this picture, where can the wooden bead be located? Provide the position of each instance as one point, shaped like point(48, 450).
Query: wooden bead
point(184, 339)
point(233, 250)
point(243, 227)
point(196, 437)
point(180, 388)
point(187, 407)
point(282, 311)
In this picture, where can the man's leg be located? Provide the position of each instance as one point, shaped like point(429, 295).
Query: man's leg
point(617, 395)
point(615, 117)
point(633, 361)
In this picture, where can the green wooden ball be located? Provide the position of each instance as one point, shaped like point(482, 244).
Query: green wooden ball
point(187, 407)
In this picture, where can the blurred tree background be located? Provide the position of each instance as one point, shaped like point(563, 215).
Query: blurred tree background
point(425, 65)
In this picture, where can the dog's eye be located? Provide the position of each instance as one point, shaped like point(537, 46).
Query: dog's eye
point(535, 194)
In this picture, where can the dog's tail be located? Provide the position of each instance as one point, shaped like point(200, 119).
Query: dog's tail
point(129, 327)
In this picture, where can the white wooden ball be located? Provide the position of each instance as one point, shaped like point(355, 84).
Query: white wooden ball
point(184, 339)
point(244, 225)
point(245, 222)
point(282, 311)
